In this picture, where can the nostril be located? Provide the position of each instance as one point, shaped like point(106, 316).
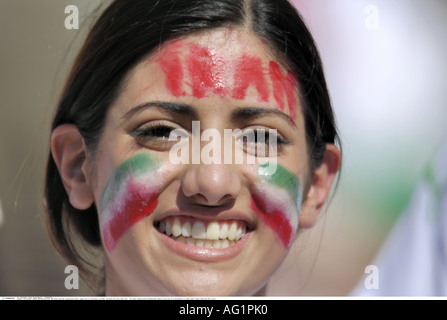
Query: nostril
point(202, 200)
point(197, 199)
point(227, 199)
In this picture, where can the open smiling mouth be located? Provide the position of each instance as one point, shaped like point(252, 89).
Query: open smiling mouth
point(205, 234)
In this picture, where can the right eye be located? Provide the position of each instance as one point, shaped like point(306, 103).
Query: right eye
point(157, 135)
point(261, 141)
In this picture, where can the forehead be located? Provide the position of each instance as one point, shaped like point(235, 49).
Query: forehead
point(229, 43)
point(225, 63)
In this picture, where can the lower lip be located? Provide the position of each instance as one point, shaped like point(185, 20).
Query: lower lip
point(204, 254)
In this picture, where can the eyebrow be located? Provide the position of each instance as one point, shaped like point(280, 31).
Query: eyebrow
point(252, 112)
point(178, 108)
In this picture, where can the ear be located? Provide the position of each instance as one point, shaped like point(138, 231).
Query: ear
point(320, 187)
point(69, 153)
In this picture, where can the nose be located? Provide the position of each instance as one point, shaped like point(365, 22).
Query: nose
point(211, 184)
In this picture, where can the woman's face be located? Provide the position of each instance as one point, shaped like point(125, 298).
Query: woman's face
point(191, 200)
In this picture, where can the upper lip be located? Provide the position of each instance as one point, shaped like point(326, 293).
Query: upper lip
point(210, 214)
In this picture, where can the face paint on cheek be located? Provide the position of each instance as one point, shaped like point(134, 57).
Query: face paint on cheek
point(130, 195)
point(277, 201)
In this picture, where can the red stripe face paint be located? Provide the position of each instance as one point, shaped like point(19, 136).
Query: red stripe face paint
point(283, 85)
point(172, 67)
point(207, 71)
point(275, 219)
point(194, 70)
point(130, 196)
point(250, 73)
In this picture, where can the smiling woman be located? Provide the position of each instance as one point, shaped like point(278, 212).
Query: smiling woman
point(149, 72)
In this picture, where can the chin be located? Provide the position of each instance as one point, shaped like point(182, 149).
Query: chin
point(204, 281)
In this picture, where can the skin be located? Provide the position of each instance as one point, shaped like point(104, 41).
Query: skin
point(137, 261)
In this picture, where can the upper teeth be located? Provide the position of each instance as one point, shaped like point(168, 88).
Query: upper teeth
point(196, 229)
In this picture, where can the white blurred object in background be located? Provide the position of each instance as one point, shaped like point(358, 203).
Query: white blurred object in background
point(413, 260)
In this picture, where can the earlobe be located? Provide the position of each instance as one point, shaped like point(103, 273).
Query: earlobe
point(320, 187)
point(69, 153)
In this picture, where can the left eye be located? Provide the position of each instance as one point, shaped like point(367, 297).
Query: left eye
point(261, 141)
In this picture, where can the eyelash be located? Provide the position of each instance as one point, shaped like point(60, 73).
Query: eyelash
point(155, 131)
point(155, 136)
point(253, 147)
point(268, 132)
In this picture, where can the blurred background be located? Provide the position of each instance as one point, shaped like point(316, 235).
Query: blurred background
point(386, 68)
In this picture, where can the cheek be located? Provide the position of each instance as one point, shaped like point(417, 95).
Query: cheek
point(128, 209)
point(276, 219)
point(130, 196)
point(277, 202)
